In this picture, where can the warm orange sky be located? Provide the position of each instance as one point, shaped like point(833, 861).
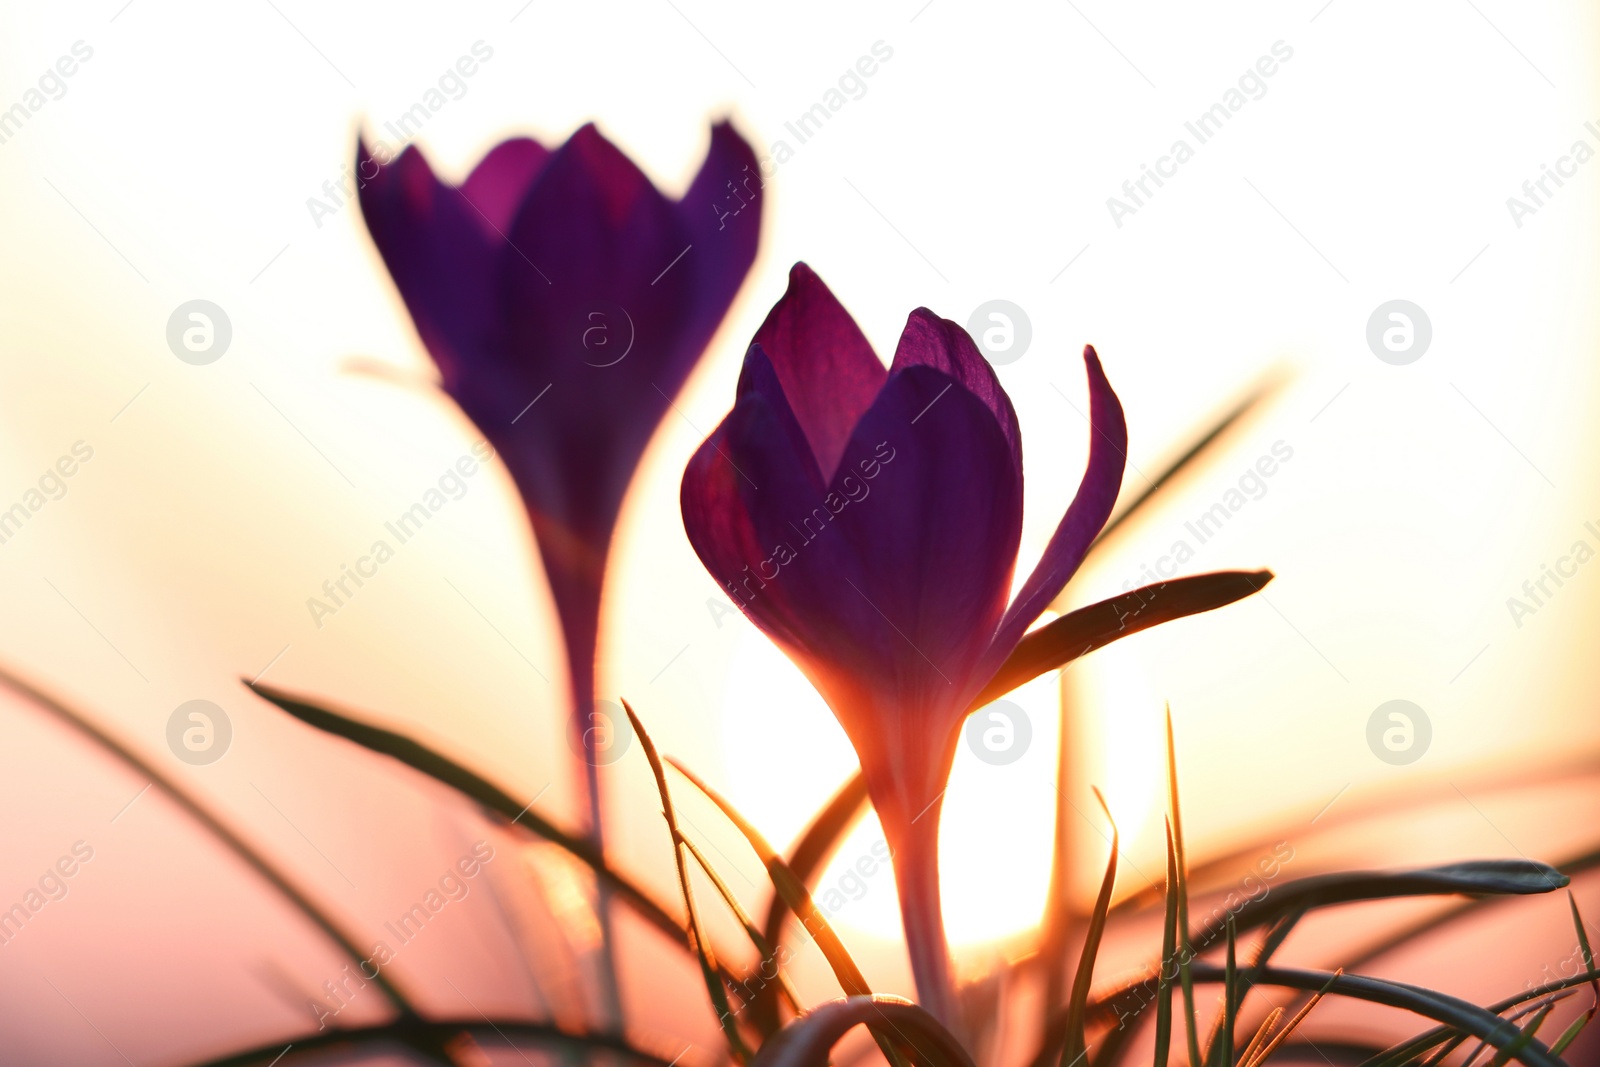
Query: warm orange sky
point(178, 162)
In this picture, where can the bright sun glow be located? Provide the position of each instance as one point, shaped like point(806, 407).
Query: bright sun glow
point(998, 817)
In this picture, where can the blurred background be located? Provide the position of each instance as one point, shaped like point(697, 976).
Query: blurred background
point(195, 153)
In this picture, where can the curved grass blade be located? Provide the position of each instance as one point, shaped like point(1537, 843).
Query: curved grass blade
point(1523, 1040)
point(816, 843)
point(1077, 633)
point(1451, 1045)
point(1406, 1050)
point(1076, 1047)
point(232, 841)
point(1504, 877)
point(799, 899)
point(809, 1040)
point(1497, 877)
point(708, 969)
point(1430, 1004)
point(1294, 1024)
point(440, 768)
point(762, 946)
point(791, 888)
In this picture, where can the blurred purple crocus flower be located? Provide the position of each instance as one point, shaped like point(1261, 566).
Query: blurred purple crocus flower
point(868, 522)
point(565, 301)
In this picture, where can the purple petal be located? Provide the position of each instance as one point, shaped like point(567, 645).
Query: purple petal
point(885, 585)
point(735, 496)
point(438, 251)
point(498, 183)
point(722, 215)
point(935, 532)
point(931, 341)
point(1090, 508)
point(828, 370)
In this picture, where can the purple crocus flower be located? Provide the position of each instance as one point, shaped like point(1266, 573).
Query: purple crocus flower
point(565, 300)
point(868, 522)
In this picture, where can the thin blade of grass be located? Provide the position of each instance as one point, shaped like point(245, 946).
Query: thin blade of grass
point(1583, 946)
point(1230, 1001)
point(1482, 1046)
point(1169, 948)
point(799, 899)
point(762, 946)
point(1524, 1039)
point(1570, 1034)
point(472, 785)
point(1076, 1046)
point(719, 996)
point(790, 888)
point(1185, 951)
point(811, 851)
point(1294, 1024)
point(1219, 1045)
point(1263, 1033)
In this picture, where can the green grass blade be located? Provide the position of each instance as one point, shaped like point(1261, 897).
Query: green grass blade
point(1524, 1039)
point(1169, 949)
point(816, 844)
point(1076, 1047)
point(799, 899)
point(1185, 950)
point(726, 1017)
point(1271, 1046)
point(472, 785)
point(757, 939)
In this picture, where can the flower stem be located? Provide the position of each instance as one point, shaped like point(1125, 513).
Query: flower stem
point(916, 872)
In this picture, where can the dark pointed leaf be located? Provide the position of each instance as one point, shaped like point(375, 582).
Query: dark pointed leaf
point(424, 759)
point(1080, 632)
